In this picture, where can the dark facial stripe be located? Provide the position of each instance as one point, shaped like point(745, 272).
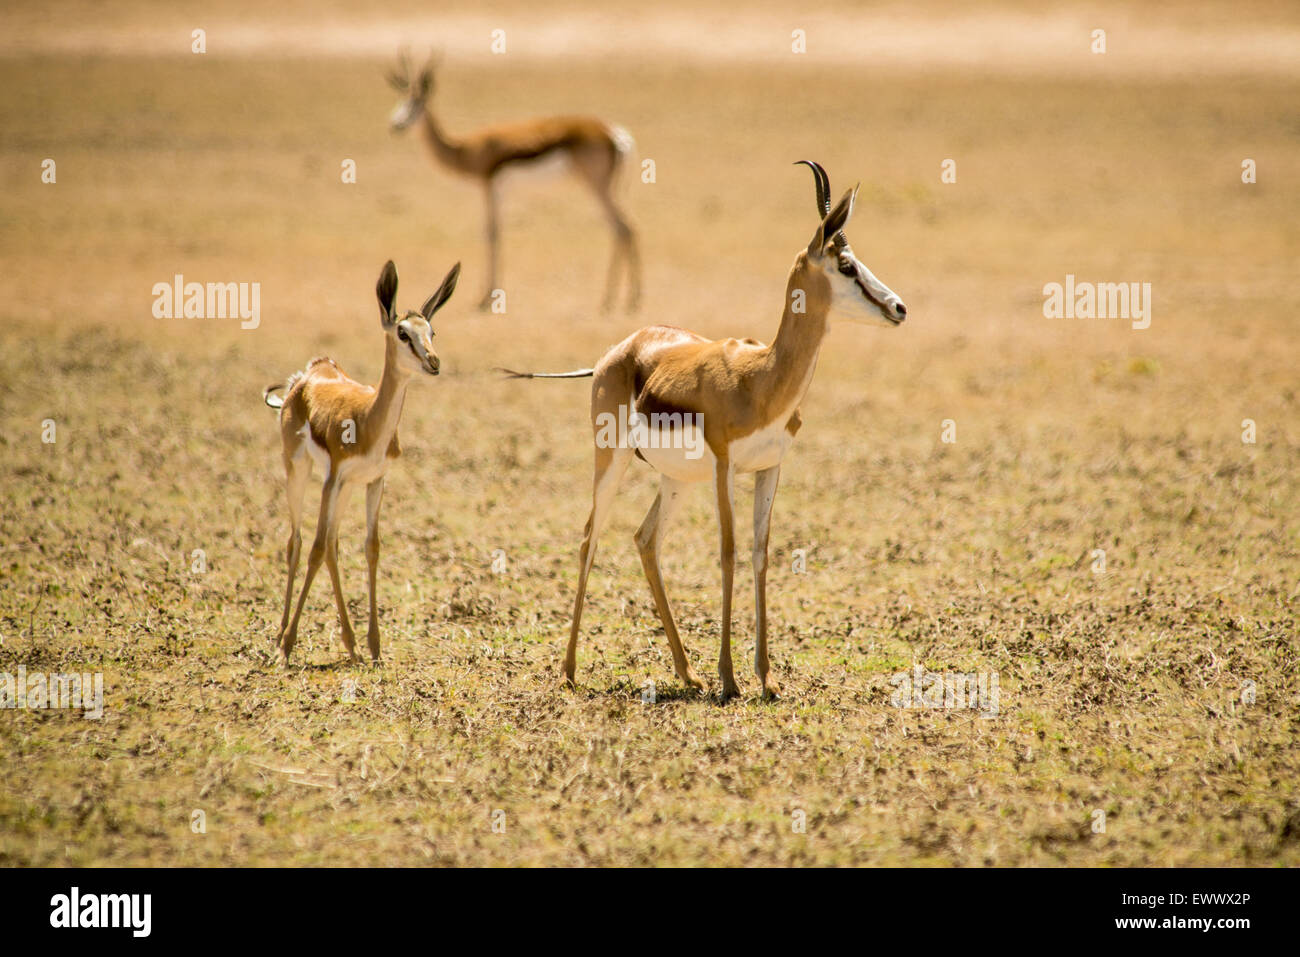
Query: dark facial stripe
point(884, 310)
point(410, 339)
point(867, 292)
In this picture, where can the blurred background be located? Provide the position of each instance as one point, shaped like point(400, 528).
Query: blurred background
point(1072, 434)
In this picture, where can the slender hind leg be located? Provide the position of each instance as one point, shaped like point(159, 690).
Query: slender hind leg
point(649, 537)
point(611, 464)
point(374, 496)
point(764, 495)
point(598, 170)
point(297, 475)
point(332, 563)
point(633, 269)
point(624, 249)
point(328, 499)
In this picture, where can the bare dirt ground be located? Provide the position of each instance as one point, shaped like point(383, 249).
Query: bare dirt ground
point(1161, 691)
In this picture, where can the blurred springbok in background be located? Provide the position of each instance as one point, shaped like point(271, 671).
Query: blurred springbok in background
point(588, 147)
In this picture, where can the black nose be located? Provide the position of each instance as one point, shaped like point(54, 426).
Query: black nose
point(901, 310)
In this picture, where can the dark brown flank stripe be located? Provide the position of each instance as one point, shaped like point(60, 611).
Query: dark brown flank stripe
point(647, 403)
point(528, 156)
point(795, 422)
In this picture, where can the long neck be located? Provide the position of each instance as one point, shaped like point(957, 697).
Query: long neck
point(446, 150)
point(386, 408)
point(792, 357)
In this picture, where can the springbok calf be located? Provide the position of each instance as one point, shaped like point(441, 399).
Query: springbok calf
point(350, 430)
point(732, 402)
point(588, 147)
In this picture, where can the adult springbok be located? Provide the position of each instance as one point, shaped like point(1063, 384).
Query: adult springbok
point(350, 430)
point(588, 147)
point(703, 411)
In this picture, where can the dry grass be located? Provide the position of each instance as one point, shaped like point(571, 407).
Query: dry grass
point(1120, 691)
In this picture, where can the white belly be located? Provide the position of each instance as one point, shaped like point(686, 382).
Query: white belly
point(681, 453)
point(552, 166)
point(364, 469)
point(317, 452)
point(762, 449)
point(358, 468)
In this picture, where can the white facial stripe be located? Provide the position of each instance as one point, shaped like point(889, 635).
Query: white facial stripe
point(878, 290)
point(414, 326)
point(412, 337)
point(858, 294)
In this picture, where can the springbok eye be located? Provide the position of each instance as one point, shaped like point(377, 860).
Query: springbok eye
point(846, 267)
point(401, 334)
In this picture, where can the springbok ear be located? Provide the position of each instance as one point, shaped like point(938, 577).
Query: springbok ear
point(439, 298)
point(835, 221)
point(386, 292)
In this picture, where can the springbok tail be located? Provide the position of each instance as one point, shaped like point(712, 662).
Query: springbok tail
point(623, 140)
point(276, 401)
point(627, 156)
point(575, 374)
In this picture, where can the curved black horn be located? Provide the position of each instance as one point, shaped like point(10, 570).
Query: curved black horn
point(823, 186)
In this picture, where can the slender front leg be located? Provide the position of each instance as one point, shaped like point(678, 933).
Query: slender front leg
point(764, 495)
point(648, 539)
point(374, 496)
point(493, 242)
point(724, 481)
point(332, 563)
point(328, 504)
